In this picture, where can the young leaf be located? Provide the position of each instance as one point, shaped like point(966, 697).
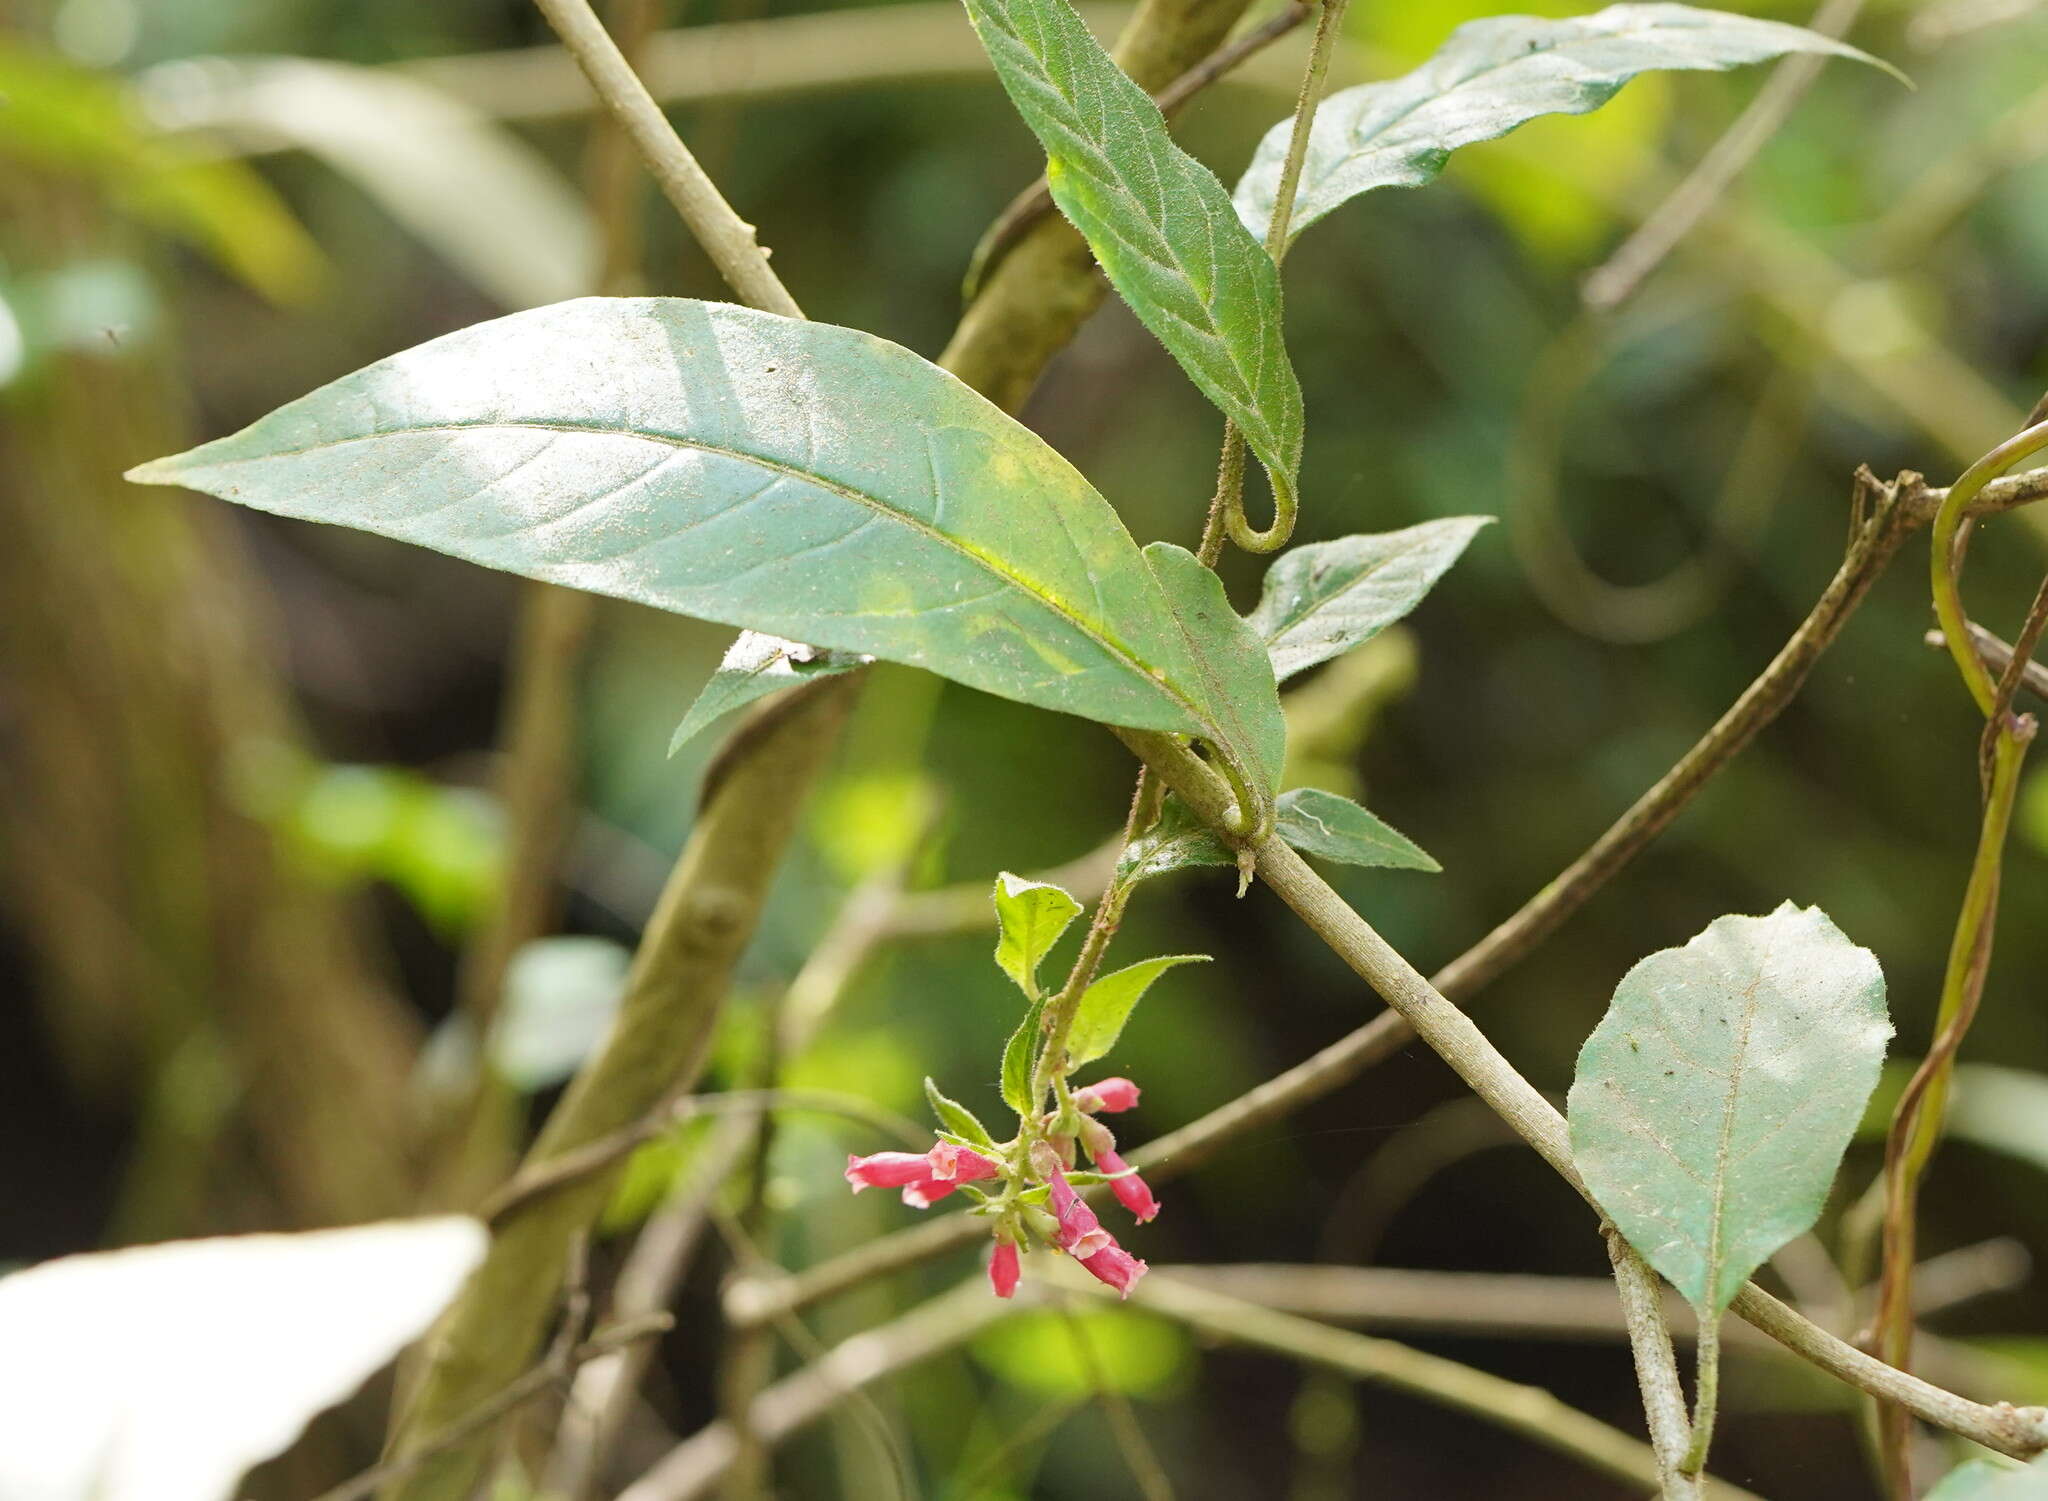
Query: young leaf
point(1106, 1005)
point(1019, 1053)
point(1321, 600)
point(1714, 1101)
point(1177, 840)
point(956, 1117)
point(766, 472)
point(1240, 693)
point(1160, 224)
point(1982, 1480)
point(1322, 823)
point(1491, 76)
point(165, 1372)
point(1030, 916)
point(756, 665)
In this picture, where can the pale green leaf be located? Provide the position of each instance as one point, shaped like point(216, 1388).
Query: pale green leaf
point(1020, 1054)
point(1491, 76)
point(1160, 224)
point(1177, 840)
point(1239, 691)
point(1321, 600)
point(956, 1117)
point(1714, 1101)
point(1107, 1004)
point(1322, 823)
point(1030, 917)
point(164, 1372)
point(754, 666)
point(767, 472)
point(1982, 1480)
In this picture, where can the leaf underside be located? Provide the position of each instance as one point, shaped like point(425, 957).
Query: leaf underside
point(1491, 76)
point(1321, 600)
point(755, 665)
point(1982, 1480)
point(786, 476)
point(1714, 1101)
point(1160, 224)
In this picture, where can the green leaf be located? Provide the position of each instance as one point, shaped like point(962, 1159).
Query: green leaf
point(1030, 916)
point(767, 472)
point(1322, 823)
point(1714, 1101)
point(1106, 1006)
point(1321, 600)
point(1019, 1054)
point(1491, 76)
point(1159, 222)
point(1239, 691)
point(1177, 840)
point(956, 1117)
point(1982, 1480)
point(754, 666)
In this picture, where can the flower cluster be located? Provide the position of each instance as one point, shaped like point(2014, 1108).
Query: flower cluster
point(1036, 1198)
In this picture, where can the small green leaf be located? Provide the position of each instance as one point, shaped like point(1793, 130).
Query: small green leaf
point(1240, 693)
point(767, 472)
point(1714, 1101)
point(1106, 1006)
point(1322, 823)
point(1321, 600)
point(1491, 76)
point(1160, 224)
point(1030, 916)
point(1177, 840)
point(754, 666)
point(1982, 1480)
point(956, 1117)
point(1019, 1054)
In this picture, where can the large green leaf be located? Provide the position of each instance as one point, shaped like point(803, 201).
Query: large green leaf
point(1321, 600)
point(754, 666)
point(1714, 1101)
point(1239, 692)
point(1107, 1005)
point(1159, 222)
point(1030, 917)
point(786, 476)
point(1491, 76)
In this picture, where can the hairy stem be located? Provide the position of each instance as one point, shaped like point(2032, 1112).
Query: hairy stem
point(1649, 1338)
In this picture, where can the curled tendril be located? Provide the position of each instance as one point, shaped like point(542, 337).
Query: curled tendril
point(1274, 537)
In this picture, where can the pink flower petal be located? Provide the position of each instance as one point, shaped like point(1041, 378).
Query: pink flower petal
point(1004, 1269)
point(1115, 1266)
point(958, 1164)
point(1111, 1095)
point(886, 1169)
point(1130, 1189)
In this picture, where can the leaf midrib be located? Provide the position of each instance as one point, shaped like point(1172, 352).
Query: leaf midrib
point(1722, 1154)
point(1156, 676)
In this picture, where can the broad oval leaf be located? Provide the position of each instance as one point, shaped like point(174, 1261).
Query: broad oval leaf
point(1323, 823)
point(164, 1372)
point(1491, 76)
point(1239, 691)
point(766, 472)
point(1107, 1005)
point(1321, 600)
point(1713, 1103)
point(755, 665)
point(1160, 224)
point(1030, 917)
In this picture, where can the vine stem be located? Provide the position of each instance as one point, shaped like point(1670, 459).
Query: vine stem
point(1649, 1338)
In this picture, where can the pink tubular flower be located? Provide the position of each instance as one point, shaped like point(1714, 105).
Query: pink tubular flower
point(946, 1167)
point(1130, 1189)
point(1080, 1234)
point(1111, 1095)
point(886, 1169)
point(1115, 1266)
point(1003, 1269)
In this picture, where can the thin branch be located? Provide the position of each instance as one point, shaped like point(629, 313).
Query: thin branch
point(1649, 1337)
point(1998, 656)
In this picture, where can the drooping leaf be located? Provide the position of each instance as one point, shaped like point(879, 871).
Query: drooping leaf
point(1321, 600)
point(1322, 823)
point(1107, 1004)
point(955, 1117)
point(165, 1372)
point(1160, 224)
point(438, 166)
point(1714, 1101)
point(754, 666)
point(1491, 76)
point(1177, 840)
point(1019, 1054)
point(1239, 690)
point(767, 472)
point(1982, 1480)
point(1030, 916)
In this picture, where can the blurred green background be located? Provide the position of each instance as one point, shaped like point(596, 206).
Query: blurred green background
point(245, 765)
